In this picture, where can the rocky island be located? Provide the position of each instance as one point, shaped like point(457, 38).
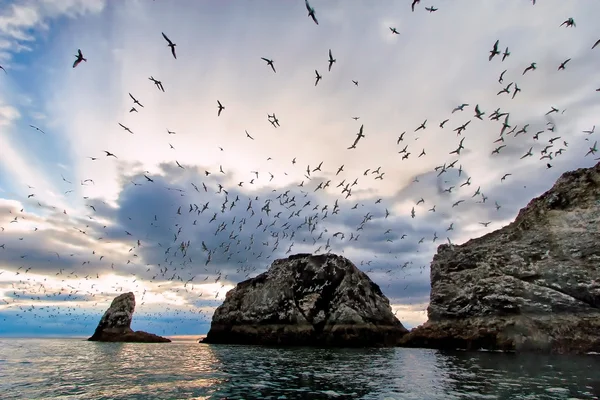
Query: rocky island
point(532, 285)
point(115, 325)
point(322, 300)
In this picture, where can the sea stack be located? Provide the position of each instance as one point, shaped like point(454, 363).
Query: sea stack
point(115, 325)
point(307, 300)
point(533, 285)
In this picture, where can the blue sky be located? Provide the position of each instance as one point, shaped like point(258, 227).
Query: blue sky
point(70, 237)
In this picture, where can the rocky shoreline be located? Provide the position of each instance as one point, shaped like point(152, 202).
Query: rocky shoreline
point(533, 285)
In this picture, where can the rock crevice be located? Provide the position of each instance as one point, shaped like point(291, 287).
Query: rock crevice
point(532, 285)
point(319, 300)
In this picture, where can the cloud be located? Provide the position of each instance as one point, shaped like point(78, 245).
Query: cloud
point(84, 218)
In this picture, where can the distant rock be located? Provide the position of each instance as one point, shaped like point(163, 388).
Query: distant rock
point(307, 300)
point(115, 325)
point(532, 285)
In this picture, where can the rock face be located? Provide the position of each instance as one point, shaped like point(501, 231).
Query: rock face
point(307, 300)
point(116, 321)
point(532, 285)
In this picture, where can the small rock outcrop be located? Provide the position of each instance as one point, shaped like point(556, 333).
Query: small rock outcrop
point(307, 300)
point(532, 285)
point(115, 325)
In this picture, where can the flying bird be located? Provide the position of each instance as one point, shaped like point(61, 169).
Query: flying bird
point(311, 12)
point(171, 45)
point(135, 101)
point(494, 52)
point(269, 63)
point(331, 60)
point(414, 3)
point(221, 108)
point(563, 64)
point(569, 23)
point(37, 129)
point(318, 77)
point(79, 59)
point(359, 135)
point(394, 31)
point(530, 68)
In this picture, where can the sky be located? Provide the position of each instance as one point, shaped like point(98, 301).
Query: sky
point(78, 226)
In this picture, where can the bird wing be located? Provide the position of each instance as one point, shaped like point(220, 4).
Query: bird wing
point(173, 52)
point(266, 59)
point(596, 44)
point(132, 98)
point(79, 53)
point(166, 38)
point(330, 56)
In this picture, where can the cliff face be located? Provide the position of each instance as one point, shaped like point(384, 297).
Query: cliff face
point(115, 325)
point(532, 285)
point(307, 300)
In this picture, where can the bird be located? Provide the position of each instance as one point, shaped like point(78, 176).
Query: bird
point(358, 137)
point(592, 149)
point(331, 60)
point(79, 59)
point(135, 101)
point(318, 77)
point(460, 108)
point(269, 63)
point(530, 68)
point(505, 54)
point(563, 64)
point(414, 3)
point(2, 68)
point(171, 45)
point(569, 23)
point(501, 78)
point(431, 9)
point(311, 12)
point(494, 52)
point(394, 31)
point(221, 108)
point(37, 129)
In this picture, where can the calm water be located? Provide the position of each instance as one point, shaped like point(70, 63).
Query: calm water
point(76, 369)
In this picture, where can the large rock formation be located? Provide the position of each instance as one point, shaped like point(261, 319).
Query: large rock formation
point(532, 285)
point(310, 300)
point(115, 325)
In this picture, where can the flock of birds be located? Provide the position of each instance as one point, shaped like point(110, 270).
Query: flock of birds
point(265, 226)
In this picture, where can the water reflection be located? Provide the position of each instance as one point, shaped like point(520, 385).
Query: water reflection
point(508, 375)
point(76, 369)
point(267, 372)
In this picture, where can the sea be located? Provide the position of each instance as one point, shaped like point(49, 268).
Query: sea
point(72, 368)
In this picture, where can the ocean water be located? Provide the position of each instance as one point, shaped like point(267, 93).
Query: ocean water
point(184, 369)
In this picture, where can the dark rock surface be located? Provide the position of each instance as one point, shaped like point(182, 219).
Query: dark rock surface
point(532, 285)
point(115, 325)
point(307, 300)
